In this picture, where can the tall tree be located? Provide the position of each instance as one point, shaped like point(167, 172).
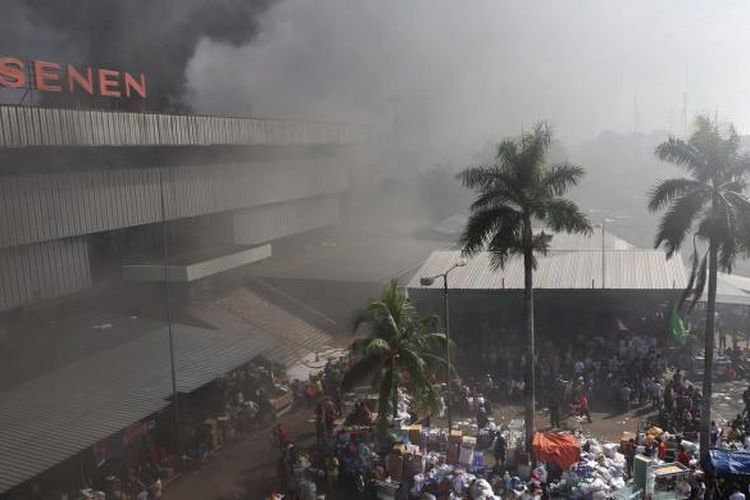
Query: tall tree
point(710, 206)
point(516, 192)
point(403, 349)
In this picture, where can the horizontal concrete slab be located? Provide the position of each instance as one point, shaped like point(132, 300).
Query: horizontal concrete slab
point(186, 269)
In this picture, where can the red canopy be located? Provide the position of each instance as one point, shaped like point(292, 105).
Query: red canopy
point(558, 447)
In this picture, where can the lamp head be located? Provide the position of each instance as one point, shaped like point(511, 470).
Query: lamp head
point(425, 281)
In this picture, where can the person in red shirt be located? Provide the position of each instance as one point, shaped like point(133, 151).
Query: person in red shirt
point(583, 405)
point(661, 449)
point(683, 457)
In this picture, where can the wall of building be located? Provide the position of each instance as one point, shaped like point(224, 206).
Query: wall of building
point(42, 271)
point(277, 220)
point(22, 126)
point(48, 206)
point(72, 180)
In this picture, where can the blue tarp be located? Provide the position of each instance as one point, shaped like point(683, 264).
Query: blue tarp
point(736, 463)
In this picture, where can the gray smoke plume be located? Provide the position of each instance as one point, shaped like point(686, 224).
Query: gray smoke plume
point(157, 38)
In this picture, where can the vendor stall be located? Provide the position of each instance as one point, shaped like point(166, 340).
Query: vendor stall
point(670, 481)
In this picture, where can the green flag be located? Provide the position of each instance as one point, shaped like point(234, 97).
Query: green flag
point(677, 328)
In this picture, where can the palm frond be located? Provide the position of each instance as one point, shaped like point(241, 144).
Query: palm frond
point(678, 220)
point(498, 195)
point(506, 152)
point(484, 224)
point(741, 166)
point(666, 191)
point(529, 162)
point(506, 241)
point(377, 346)
point(479, 178)
point(559, 178)
point(362, 371)
point(678, 152)
point(435, 340)
point(739, 201)
point(419, 381)
point(540, 242)
point(562, 214)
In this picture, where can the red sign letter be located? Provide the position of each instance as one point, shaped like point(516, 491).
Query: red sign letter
point(86, 83)
point(138, 88)
point(44, 78)
point(12, 74)
point(108, 86)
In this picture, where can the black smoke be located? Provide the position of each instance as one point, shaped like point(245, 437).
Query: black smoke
point(156, 37)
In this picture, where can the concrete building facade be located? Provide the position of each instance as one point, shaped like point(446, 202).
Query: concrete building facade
point(84, 194)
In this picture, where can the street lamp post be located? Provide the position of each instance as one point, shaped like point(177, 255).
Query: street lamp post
point(604, 261)
point(604, 265)
point(427, 281)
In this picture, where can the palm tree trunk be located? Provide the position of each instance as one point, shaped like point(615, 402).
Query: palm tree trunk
point(528, 310)
point(394, 400)
point(708, 367)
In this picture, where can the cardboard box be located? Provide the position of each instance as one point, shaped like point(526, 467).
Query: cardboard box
point(414, 434)
point(466, 454)
point(396, 467)
point(453, 452)
point(414, 463)
point(456, 437)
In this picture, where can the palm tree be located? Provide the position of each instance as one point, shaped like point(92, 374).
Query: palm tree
point(710, 206)
point(513, 194)
point(403, 350)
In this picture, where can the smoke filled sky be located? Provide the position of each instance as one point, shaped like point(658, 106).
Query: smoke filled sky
point(153, 37)
point(464, 72)
point(485, 68)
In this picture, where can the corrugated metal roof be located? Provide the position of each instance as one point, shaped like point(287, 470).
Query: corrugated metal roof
point(52, 417)
point(624, 269)
point(246, 310)
point(562, 242)
point(371, 258)
point(455, 224)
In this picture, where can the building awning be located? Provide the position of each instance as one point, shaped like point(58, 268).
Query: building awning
point(193, 267)
point(49, 418)
point(244, 310)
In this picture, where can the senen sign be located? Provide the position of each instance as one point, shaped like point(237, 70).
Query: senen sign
point(55, 77)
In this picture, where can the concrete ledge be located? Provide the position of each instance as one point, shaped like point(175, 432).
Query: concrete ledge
point(186, 270)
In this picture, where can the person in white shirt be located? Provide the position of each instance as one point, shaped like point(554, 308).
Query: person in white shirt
point(736, 494)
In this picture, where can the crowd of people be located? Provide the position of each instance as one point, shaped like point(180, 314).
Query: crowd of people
point(635, 371)
point(302, 473)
